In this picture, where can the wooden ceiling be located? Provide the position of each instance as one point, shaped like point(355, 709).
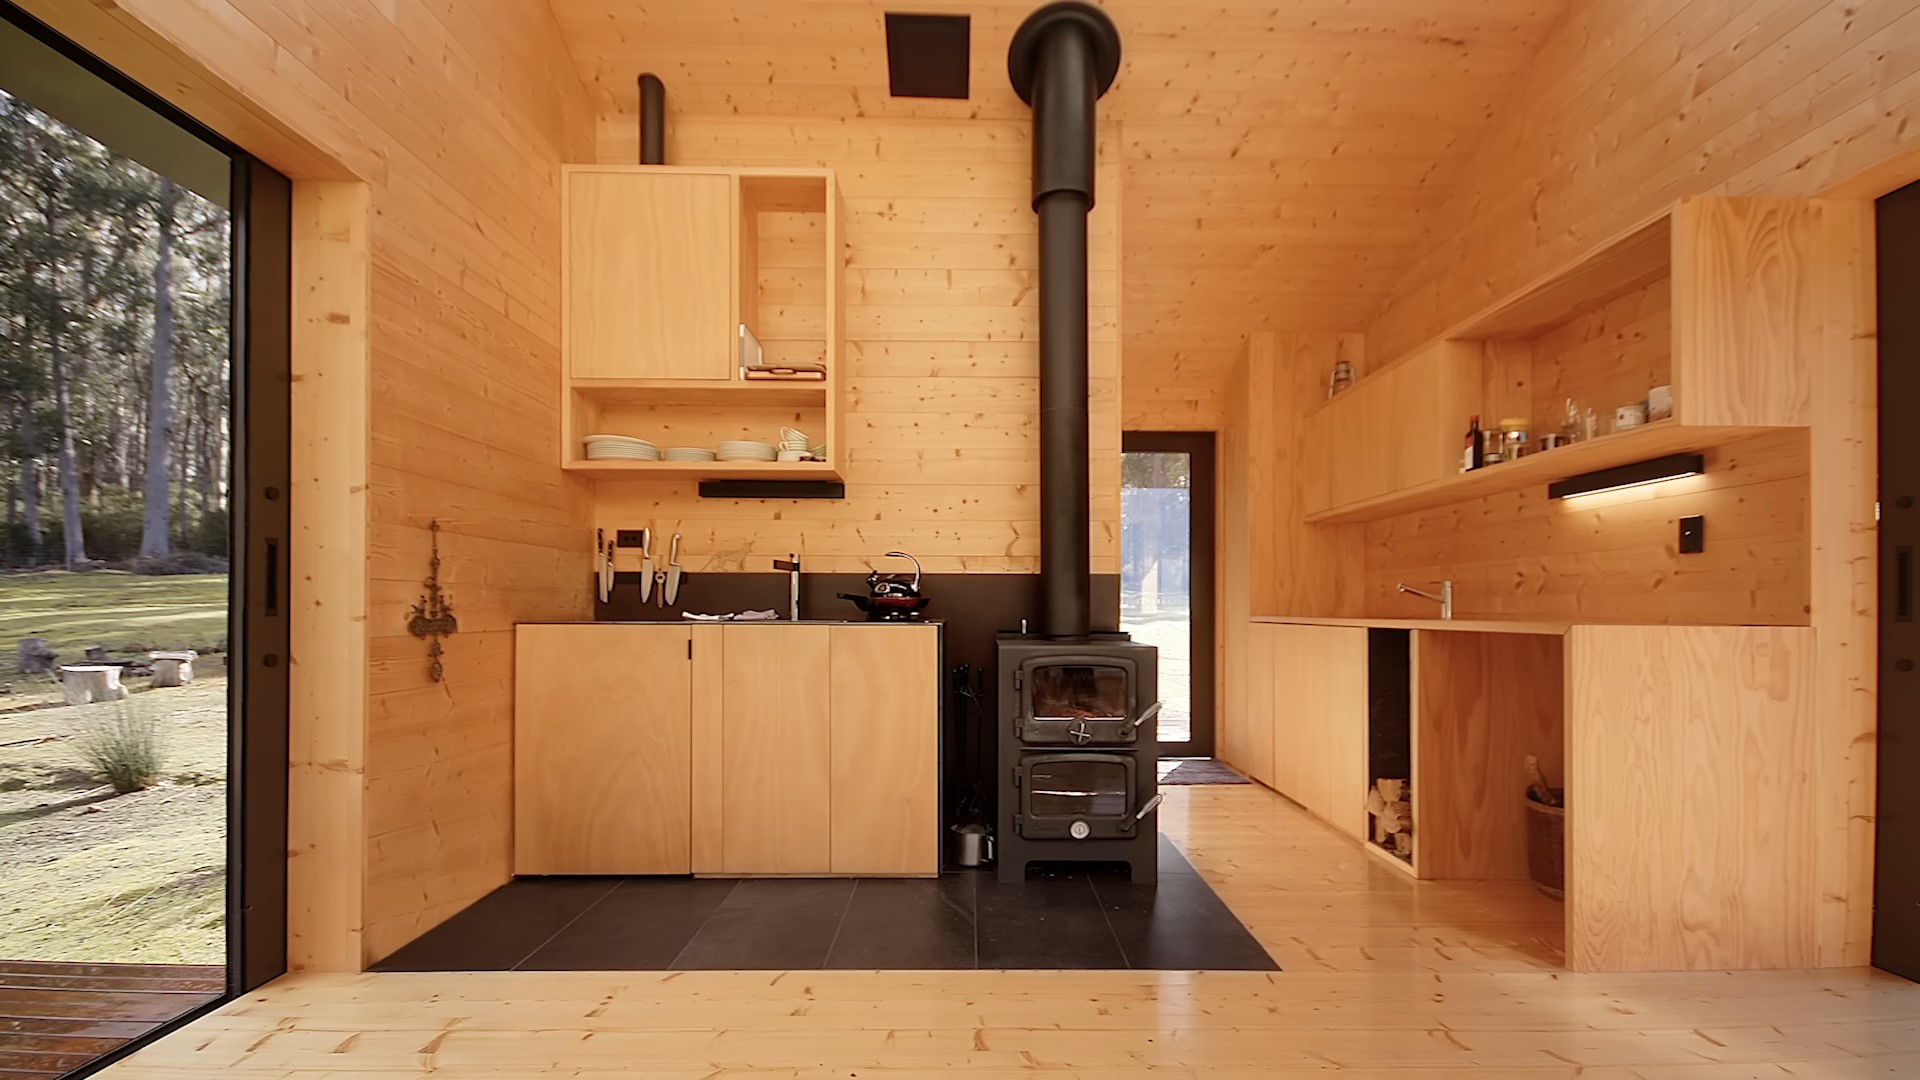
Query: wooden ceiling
point(1282, 157)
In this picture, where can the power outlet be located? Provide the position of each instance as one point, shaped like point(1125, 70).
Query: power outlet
point(629, 538)
point(1693, 535)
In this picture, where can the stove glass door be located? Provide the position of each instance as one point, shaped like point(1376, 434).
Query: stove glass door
point(1085, 786)
point(1081, 691)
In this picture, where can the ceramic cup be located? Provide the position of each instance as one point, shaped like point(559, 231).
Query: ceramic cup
point(793, 455)
point(1660, 403)
point(1630, 416)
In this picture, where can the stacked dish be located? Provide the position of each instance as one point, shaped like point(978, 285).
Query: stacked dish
point(688, 453)
point(620, 447)
point(746, 450)
point(794, 439)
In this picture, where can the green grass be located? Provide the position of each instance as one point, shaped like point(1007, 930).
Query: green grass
point(124, 612)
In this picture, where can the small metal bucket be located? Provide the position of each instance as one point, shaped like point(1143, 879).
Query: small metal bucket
point(971, 845)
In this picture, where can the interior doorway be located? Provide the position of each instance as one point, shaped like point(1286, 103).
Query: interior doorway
point(1896, 899)
point(1167, 575)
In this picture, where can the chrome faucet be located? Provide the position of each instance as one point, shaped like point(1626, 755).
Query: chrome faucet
point(791, 564)
point(1444, 597)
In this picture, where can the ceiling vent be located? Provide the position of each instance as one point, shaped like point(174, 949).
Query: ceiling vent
point(928, 55)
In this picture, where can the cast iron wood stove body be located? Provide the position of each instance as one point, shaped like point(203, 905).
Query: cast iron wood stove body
point(1079, 754)
point(1079, 750)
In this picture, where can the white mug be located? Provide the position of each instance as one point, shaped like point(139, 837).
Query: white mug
point(1630, 416)
point(1660, 403)
point(793, 455)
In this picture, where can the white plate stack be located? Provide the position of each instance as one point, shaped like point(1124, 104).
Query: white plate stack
point(688, 453)
point(745, 450)
point(620, 448)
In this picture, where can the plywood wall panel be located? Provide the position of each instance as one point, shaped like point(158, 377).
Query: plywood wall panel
point(1614, 557)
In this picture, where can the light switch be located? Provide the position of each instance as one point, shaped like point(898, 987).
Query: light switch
point(1693, 535)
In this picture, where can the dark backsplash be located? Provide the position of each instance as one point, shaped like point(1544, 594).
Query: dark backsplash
point(972, 608)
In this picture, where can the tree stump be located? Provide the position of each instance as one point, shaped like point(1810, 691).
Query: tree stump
point(172, 668)
point(85, 684)
point(35, 657)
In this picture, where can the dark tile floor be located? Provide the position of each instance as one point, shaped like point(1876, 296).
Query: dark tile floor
point(1062, 916)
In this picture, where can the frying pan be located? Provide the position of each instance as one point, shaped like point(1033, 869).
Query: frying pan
point(893, 604)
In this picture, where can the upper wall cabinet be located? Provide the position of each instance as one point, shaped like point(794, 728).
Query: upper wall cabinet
point(650, 280)
point(1724, 300)
point(677, 279)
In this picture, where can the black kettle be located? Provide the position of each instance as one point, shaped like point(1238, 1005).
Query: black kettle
point(879, 584)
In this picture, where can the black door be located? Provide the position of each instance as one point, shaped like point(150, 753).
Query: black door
point(1166, 575)
point(1896, 893)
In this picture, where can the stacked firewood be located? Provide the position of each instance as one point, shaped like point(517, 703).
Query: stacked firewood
point(1390, 803)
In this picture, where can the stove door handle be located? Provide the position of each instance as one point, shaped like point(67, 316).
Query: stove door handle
point(1152, 711)
point(1148, 809)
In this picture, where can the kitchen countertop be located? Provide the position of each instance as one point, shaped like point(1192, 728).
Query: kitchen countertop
point(1557, 627)
point(742, 622)
point(1480, 626)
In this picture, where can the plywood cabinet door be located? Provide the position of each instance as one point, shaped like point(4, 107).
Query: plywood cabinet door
point(1256, 753)
point(886, 726)
point(1320, 720)
point(649, 276)
point(775, 750)
point(601, 750)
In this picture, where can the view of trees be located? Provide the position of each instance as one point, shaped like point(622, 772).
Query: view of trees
point(114, 363)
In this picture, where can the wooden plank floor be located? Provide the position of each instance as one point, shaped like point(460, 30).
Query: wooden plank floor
point(57, 1017)
point(1384, 978)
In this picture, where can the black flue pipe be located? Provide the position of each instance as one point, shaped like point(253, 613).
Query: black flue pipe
point(653, 120)
point(1063, 57)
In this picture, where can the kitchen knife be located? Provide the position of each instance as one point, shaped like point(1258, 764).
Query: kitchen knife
point(673, 570)
point(646, 564)
point(600, 564)
point(607, 575)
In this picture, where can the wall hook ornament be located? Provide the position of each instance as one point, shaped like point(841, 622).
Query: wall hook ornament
point(432, 617)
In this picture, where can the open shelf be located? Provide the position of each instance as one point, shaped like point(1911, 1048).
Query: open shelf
point(1537, 470)
point(1388, 857)
point(708, 470)
point(750, 394)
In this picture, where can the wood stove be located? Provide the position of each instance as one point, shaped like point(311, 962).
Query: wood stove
point(1079, 752)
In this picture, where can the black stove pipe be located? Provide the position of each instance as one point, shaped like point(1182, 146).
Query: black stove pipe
point(653, 120)
point(1063, 57)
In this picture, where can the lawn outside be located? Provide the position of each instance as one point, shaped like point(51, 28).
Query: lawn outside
point(87, 875)
point(129, 614)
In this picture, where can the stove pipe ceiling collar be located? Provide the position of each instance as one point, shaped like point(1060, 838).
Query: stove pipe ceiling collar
point(1063, 57)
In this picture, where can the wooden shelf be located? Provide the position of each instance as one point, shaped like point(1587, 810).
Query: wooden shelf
point(707, 470)
point(1538, 470)
point(1395, 861)
point(698, 393)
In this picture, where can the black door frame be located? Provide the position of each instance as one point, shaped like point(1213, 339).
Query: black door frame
point(262, 470)
point(1896, 884)
point(1202, 453)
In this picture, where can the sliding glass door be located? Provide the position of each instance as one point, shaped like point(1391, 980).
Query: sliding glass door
point(146, 693)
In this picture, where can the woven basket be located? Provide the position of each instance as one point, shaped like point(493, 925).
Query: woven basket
point(1547, 846)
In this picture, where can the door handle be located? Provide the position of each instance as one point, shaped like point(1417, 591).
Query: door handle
point(1148, 809)
point(1152, 711)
